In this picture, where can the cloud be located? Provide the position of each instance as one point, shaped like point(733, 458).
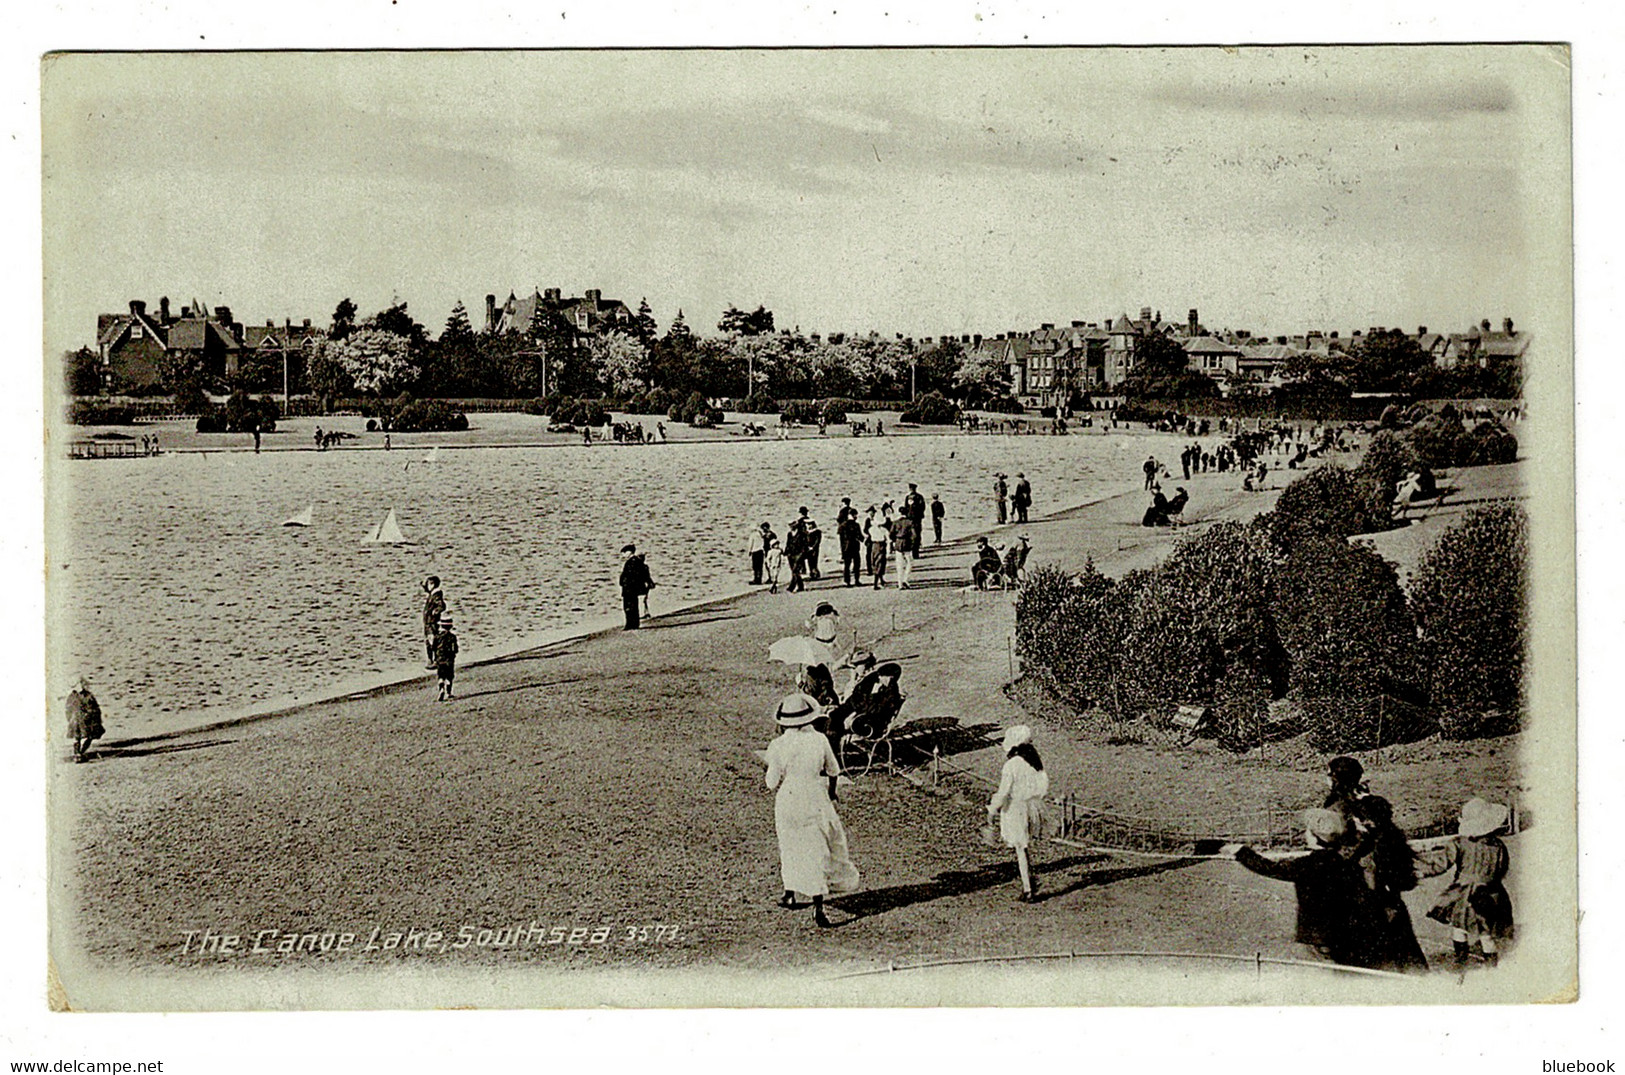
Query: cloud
point(850, 121)
point(1391, 101)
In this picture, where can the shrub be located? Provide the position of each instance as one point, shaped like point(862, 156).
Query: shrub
point(1329, 501)
point(1004, 405)
point(1470, 600)
point(833, 411)
point(1436, 438)
point(804, 411)
point(211, 421)
point(696, 412)
point(931, 409)
point(85, 413)
point(1356, 670)
point(1488, 444)
point(244, 413)
point(759, 402)
point(569, 411)
point(1200, 613)
point(428, 416)
point(1070, 630)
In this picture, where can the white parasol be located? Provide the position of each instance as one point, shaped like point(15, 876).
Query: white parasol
point(800, 649)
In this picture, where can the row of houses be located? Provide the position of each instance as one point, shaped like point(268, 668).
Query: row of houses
point(135, 346)
point(1048, 365)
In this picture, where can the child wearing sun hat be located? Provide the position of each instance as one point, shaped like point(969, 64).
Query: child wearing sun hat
point(1475, 906)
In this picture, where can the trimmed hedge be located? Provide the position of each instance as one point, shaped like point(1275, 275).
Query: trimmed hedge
point(1357, 673)
point(758, 403)
point(1329, 501)
point(1470, 599)
point(82, 412)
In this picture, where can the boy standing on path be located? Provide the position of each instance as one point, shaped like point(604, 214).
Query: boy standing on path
point(445, 657)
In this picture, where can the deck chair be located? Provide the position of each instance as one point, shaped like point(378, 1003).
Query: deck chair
point(860, 727)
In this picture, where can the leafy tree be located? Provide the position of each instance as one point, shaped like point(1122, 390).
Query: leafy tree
point(736, 322)
point(82, 370)
point(373, 361)
point(1156, 355)
point(982, 375)
point(1386, 361)
point(396, 320)
point(621, 363)
point(1328, 502)
point(343, 320)
point(936, 367)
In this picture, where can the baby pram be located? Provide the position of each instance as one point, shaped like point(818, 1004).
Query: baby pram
point(859, 728)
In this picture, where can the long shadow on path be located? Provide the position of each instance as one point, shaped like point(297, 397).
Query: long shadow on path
point(878, 901)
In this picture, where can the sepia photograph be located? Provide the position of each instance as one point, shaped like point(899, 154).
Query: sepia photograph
point(901, 536)
point(833, 527)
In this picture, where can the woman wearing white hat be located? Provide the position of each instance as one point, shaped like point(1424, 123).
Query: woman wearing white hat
point(813, 857)
point(1476, 906)
point(1022, 787)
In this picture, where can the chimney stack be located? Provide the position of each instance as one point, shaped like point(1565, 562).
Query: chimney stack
point(138, 308)
point(1145, 313)
point(163, 309)
point(1048, 326)
point(1484, 325)
point(1079, 324)
point(1195, 324)
point(552, 294)
point(222, 314)
point(490, 313)
point(1421, 330)
point(976, 339)
point(1506, 325)
point(593, 295)
point(307, 322)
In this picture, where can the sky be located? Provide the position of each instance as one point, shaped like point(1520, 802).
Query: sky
point(913, 191)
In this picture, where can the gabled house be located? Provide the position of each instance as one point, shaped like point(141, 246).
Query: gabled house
point(134, 346)
point(588, 315)
point(1212, 356)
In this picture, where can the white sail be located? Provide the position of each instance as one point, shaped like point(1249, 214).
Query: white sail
point(303, 518)
point(387, 532)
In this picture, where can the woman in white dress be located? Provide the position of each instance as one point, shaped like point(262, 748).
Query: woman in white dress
point(813, 857)
point(1017, 804)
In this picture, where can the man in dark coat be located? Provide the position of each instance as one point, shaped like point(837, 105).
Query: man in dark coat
point(914, 508)
point(795, 553)
point(850, 535)
point(937, 512)
point(635, 582)
point(1024, 497)
point(84, 719)
point(1000, 491)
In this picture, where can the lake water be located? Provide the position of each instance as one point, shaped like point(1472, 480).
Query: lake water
point(175, 587)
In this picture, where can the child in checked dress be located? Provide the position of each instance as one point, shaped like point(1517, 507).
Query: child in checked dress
point(1475, 906)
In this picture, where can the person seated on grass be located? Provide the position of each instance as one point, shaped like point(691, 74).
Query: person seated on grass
point(988, 566)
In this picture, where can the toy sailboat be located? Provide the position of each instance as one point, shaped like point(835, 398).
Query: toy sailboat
point(387, 532)
point(303, 518)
